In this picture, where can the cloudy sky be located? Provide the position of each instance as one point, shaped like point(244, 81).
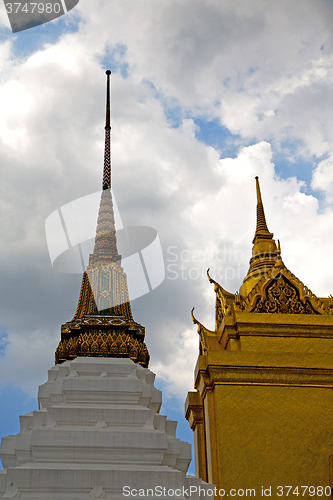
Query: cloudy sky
point(206, 94)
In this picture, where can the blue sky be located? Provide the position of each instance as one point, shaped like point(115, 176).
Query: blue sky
point(205, 95)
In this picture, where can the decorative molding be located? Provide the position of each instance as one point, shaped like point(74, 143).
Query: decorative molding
point(105, 344)
point(263, 375)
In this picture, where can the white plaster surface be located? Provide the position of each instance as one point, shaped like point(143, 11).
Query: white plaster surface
point(97, 430)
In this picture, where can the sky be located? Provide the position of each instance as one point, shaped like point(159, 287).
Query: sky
point(206, 94)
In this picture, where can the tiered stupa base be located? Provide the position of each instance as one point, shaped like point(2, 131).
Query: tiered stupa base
point(97, 432)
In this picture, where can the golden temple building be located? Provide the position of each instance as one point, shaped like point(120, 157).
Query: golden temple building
point(262, 412)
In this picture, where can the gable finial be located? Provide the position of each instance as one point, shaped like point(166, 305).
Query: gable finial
point(107, 148)
point(279, 262)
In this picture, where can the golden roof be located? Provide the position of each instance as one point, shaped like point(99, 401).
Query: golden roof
point(269, 289)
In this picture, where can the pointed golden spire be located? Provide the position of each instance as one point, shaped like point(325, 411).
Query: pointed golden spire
point(262, 231)
point(264, 251)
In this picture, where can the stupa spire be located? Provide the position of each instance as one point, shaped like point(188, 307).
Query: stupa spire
point(107, 146)
point(264, 250)
point(105, 249)
point(103, 324)
point(262, 231)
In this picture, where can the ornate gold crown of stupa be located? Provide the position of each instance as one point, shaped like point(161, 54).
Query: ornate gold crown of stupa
point(103, 324)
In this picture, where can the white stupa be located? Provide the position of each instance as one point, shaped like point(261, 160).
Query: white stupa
point(98, 432)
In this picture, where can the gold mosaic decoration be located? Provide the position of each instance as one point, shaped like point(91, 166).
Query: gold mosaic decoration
point(104, 285)
point(104, 291)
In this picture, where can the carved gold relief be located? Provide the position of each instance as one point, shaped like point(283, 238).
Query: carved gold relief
point(218, 313)
point(103, 345)
point(281, 297)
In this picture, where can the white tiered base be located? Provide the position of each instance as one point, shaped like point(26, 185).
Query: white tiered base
point(98, 434)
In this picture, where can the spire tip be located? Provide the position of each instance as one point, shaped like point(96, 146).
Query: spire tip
point(107, 149)
point(262, 231)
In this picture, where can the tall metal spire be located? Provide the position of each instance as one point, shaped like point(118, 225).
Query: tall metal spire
point(103, 324)
point(105, 249)
point(107, 147)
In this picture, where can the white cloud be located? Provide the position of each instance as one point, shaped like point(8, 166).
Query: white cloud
point(177, 369)
point(322, 177)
